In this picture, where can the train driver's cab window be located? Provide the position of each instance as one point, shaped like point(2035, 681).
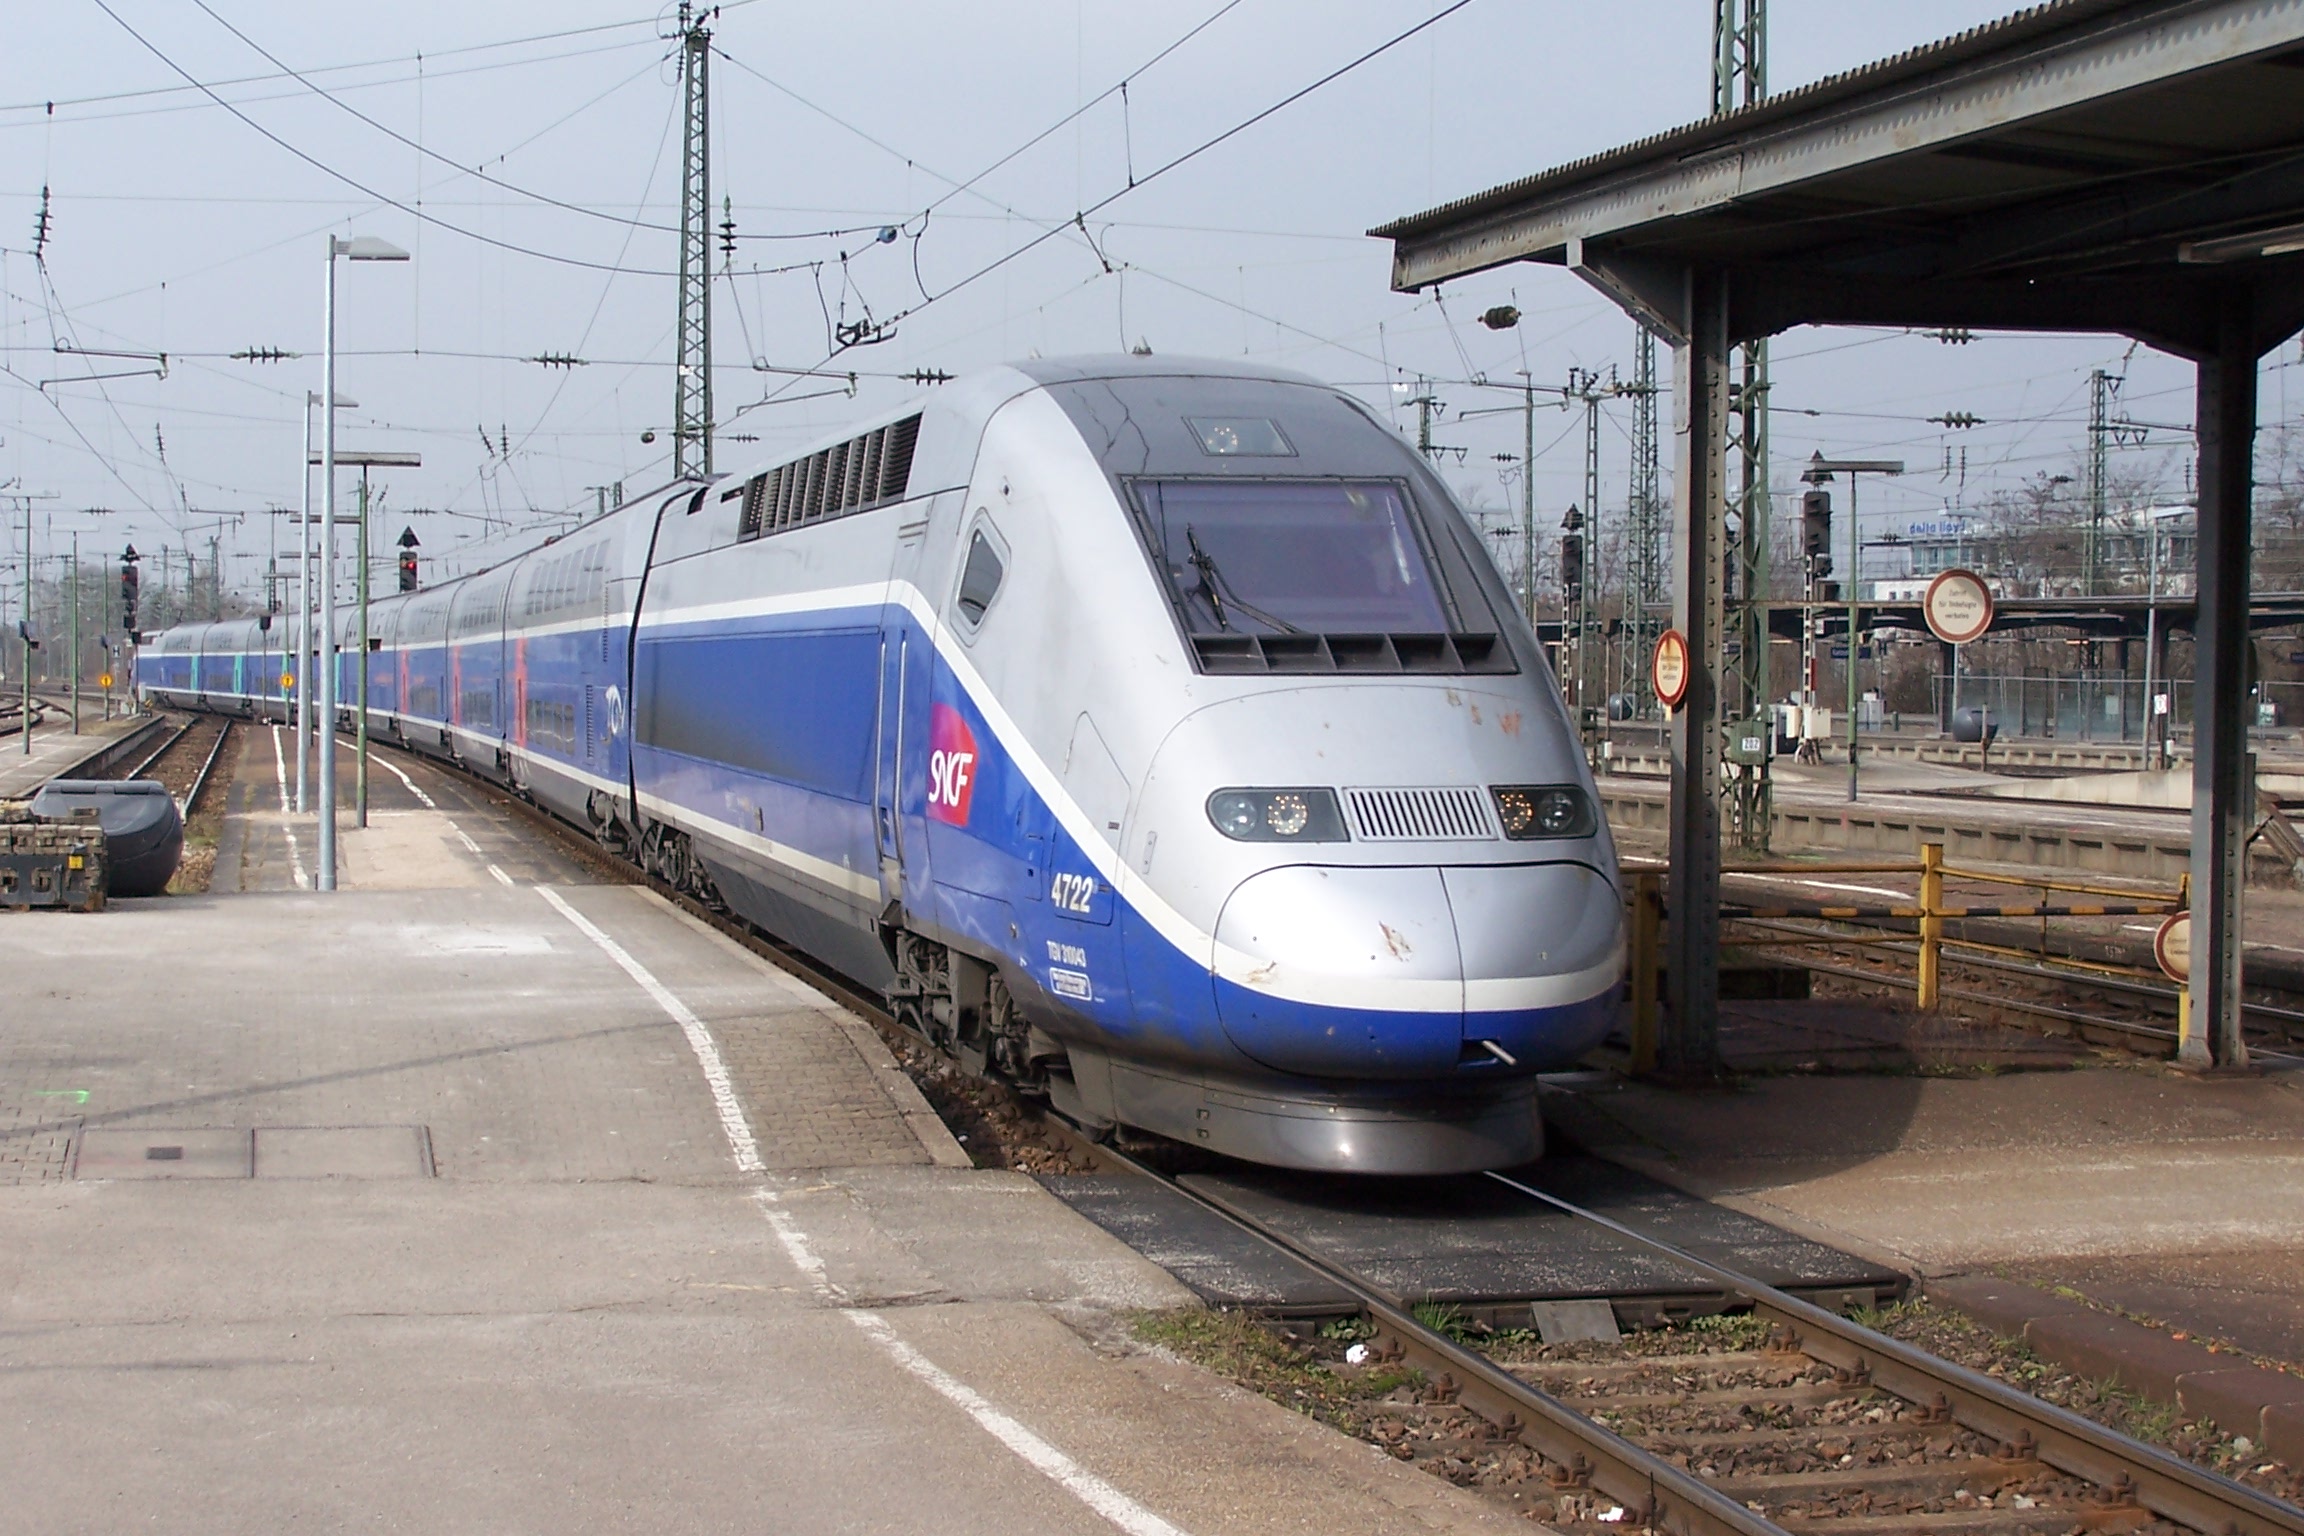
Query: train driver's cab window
point(979, 578)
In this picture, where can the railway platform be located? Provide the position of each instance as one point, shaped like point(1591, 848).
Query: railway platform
point(2168, 1195)
point(57, 752)
point(490, 1194)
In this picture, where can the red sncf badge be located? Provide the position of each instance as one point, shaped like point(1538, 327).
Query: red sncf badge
point(951, 765)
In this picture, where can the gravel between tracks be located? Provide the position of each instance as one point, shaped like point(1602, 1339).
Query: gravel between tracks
point(1710, 1397)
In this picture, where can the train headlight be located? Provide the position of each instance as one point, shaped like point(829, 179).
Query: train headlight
point(1277, 815)
point(1531, 811)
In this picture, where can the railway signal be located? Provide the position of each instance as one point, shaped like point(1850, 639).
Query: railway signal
point(130, 585)
point(409, 544)
point(1816, 531)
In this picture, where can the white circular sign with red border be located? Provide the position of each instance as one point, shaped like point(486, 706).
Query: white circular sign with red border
point(1668, 671)
point(2172, 947)
point(1958, 607)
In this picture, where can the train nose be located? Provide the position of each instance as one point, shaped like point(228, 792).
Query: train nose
point(1381, 972)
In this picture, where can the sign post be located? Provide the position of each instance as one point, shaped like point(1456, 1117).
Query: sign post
point(1958, 607)
point(1668, 669)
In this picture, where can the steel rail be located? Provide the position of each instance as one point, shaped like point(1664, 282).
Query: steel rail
point(2029, 970)
point(2163, 1483)
point(160, 752)
point(207, 767)
point(1655, 1494)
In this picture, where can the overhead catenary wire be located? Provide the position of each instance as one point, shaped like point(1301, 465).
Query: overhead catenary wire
point(434, 155)
point(1155, 174)
point(363, 188)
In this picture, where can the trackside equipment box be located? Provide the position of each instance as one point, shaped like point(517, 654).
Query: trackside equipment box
point(51, 863)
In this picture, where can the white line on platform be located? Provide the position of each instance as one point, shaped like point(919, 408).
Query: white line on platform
point(1044, 1458)
point(287, 808)
point(1076, 1480)
point(797, 1248)
point(501, 877)
point(732, 1121)
point(422, 798)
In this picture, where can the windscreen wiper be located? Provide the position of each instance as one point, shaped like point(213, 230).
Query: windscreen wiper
point(1213, 583)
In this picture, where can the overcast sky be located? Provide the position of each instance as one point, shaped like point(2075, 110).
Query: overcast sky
point(177, 226)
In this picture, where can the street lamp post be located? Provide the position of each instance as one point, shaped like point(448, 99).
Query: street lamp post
point(2155, 745)
point(304, 559)
point(359, 248)
point(364, 460)
point(24, 630)
point(75, 634)
point(1820, 470)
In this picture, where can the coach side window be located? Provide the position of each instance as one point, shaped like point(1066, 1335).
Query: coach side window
point(980, 578)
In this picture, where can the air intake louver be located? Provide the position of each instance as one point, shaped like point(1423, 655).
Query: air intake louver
point(1420, 815)
point(854, 476)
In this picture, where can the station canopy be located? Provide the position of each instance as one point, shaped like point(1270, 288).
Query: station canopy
point(2088, 165)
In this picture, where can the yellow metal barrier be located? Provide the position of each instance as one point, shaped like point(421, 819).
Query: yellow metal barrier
point(1929, 912)
point(1931, 923)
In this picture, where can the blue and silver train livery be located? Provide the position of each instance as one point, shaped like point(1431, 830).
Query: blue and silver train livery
point(1155, 734)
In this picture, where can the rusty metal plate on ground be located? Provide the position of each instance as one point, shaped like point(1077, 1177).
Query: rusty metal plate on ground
point(206, 1152)
point(1472, 1243)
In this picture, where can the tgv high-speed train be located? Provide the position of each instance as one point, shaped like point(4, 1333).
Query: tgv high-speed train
point(1156, 734)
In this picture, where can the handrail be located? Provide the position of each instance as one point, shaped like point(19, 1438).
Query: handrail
point(1930, 911)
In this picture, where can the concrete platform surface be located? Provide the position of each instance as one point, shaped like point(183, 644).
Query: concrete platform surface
point(530, 1207)
point(55, 748)
point(2110, 1176)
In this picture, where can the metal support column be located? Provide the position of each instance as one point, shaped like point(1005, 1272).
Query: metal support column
point(360, 688)
point(692, 374)
point(2220, 789)
point(1700, 379)
point(1947, 668)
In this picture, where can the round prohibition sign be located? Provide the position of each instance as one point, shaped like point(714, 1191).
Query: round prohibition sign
point(2172, 946)
point(1668, 668)
point(1958, 607)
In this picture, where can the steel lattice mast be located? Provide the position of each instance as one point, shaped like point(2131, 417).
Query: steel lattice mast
point(1739, 80)
point(1647, 568)
point(692, 378)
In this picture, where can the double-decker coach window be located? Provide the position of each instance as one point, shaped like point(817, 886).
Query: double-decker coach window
point(1311, 575)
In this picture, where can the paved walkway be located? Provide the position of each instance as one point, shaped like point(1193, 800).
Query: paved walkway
point(2179, 1196)
point(522, 1203)
point(55, 748)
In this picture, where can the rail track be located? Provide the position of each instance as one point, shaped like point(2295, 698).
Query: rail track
point(186, 761)
point(2068, 994)
point(1832, 1427)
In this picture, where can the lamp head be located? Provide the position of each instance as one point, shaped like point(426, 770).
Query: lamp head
point(366, 248)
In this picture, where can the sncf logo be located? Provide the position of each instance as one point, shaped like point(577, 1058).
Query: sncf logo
point(951, 766)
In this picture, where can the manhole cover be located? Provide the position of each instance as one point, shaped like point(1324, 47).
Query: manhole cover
point(267, 1152)
point(212, 1152)
point(343, 1152)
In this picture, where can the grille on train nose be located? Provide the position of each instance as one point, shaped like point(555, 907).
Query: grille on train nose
point(1419, 815)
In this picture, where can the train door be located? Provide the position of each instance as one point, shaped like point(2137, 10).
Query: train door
point(900, 770)
point(888, 759)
